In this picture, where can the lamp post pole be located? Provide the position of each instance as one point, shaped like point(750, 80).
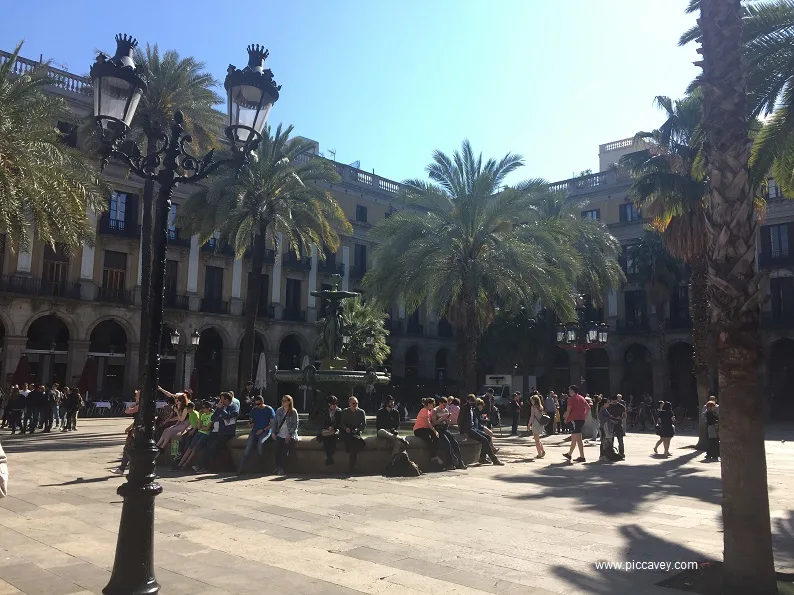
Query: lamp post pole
point(117, 91)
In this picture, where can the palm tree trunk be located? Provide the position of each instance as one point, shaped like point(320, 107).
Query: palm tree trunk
point(252, 297)
point(147, 237)
point(699, 307)
point(735, 304)
point(468, 348)
point(661, 330)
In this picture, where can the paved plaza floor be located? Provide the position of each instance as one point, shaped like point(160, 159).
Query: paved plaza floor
point(529, 527)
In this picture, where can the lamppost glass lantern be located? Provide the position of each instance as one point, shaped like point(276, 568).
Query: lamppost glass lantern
point(195, 338)
point(603, 334)
point(117, 88)
point(251, 92)
point(346, 339)
point(560, 334)
point(175, 338)
point(570, 335)
point(370, 341)
point(592, 333)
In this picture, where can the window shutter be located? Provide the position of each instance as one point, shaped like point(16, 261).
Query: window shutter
point(766, 241)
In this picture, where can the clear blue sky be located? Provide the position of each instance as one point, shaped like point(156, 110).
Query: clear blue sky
point(387, 83)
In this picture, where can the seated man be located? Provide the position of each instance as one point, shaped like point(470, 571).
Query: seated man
point(199, 439)
point(354, 420)
point(261, 418)
point(387, 422)
point(470, 425)
point(329, 433)
point(224, 428)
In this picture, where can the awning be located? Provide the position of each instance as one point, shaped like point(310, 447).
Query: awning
point(22, 373)
point(87, 382)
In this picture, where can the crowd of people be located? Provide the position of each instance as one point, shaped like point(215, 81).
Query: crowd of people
point(28, 408)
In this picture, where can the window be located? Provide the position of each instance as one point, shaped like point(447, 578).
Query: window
point(171, 276)
point(118, 210)
point(782, 297)
point(55, 267)
point(360, 256)
point(635, 304)
point(361, 214)
point(293, 295)
point(779, 240)
point(774, 189)
point(594, 214)
point(629, 213)
point(115, 271)
point(631, 265)
point(213, 241)
point(213, 284)
point(172, 233)
point(264, 291)
point(679, 306)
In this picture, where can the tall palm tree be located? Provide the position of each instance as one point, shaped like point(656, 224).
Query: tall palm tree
point(44, 184)
point(277, 192)
point(768, 36)
point(735, 303)
point(469, 245)
point(670, 186)
point(659, 273)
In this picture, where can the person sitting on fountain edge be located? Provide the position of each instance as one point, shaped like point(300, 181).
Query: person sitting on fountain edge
point(329, 432)
point(387, 422)
point(224, 429)
point(354, 420)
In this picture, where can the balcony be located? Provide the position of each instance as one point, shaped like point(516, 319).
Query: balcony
point(294, 315)
point(118, 227)
point(774, 260)
point(214, 246)
point(678, 323)
point(39, 287)
point(115, 296)
point(176, 239)
point(60, 79)
point(330, 267)
point(357, 271)
point(214, 306)
point(292, 261)
point(264, 311)
point(593, 182)
point(415, 329)
point(632, 326)
point(777, 320)
point(176, 302)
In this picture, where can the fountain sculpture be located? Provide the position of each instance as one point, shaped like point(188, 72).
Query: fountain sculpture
point(333, 375)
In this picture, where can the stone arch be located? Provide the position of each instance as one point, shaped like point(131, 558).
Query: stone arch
point(64, 318)
point(221, 331)
point(106, 335)
point(6, 323)
point(681, 372)
point(209, 360)
point(596, 371)
point(260, 342)
point(780, 368)
point(637, 371)
point(305, 346)
point(558, 376)
point(47, 347)
point(129, 330)
point(290, 352)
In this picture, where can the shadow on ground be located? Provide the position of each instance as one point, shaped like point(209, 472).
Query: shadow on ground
point(604, 486)
point(59, 441)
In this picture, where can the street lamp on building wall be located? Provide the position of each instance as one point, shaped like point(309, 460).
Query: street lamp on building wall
point(118, 89)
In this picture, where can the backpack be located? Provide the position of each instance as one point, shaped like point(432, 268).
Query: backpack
point(401, 465)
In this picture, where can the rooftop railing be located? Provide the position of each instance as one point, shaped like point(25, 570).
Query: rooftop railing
point(59, 78)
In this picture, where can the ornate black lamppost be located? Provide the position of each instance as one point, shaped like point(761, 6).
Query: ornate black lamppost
point(118, 89)
point(583, 335)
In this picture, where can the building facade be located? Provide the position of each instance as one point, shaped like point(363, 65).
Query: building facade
point(638, 357)
point(71, 315)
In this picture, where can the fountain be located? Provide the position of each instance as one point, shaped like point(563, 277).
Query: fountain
point(333, 377)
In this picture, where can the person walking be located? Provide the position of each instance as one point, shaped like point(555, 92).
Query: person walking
point(16, 409)
point(550, 408)
point(286, 428)
point(575, 414)
point(54, 398)
point(666, 427)
point(514, 407)
point(617, 412)
point(535, 423)
point(712, 431)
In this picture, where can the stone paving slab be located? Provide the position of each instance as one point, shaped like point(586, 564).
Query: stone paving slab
point(529, 528)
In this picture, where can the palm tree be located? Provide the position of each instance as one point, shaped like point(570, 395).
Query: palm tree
point(44, 184)
point(768, 35)
point(670, 187)
point(363, 319)
point(277, 192)
point(468, 245)
point(173, 83)
point(659, 273)
point(735, 299)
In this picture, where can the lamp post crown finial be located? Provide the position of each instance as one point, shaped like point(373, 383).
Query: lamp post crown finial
point(257, 54)
point(125, 46)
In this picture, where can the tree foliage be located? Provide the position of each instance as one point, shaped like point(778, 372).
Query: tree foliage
point(45, 185)
point(362, 318)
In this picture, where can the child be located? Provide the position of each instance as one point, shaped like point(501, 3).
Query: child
point(201, 436)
